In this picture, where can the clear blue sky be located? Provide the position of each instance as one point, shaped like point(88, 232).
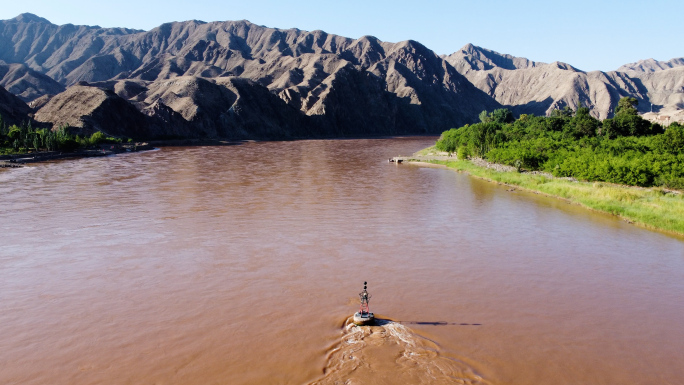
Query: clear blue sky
point(590, 35)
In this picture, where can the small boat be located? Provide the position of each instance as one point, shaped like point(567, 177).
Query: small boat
point(364, 317)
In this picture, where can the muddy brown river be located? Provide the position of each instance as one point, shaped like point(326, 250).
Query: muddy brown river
point(241, 265)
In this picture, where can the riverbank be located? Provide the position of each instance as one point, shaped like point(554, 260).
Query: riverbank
point(17, 160)
point(654, 208)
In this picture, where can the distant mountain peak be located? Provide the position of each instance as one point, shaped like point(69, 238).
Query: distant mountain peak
point(369, 38)
point(415, 45)
point(565, 66)
point(29, 18)
point(652, 65)
point(472, 57)
point(469, 48)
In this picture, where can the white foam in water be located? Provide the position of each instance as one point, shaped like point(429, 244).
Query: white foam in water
point(391, 353)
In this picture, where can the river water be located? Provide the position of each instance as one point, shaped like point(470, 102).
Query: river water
point(241, 265)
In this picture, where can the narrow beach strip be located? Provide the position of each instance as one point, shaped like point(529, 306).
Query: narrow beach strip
point(654, 207)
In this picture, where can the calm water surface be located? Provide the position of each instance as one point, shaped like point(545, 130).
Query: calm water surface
point(241, 265)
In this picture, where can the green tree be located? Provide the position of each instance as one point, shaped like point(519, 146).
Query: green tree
point(51, 141)
point(485, 117)
point(634, 125)
point(584, 124)
point(500, 115)
point(627, 106)
point(566, 113)
point(627, 121)
point(672, 140)
point(484, 137)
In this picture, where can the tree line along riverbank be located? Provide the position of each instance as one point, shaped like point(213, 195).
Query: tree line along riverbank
point(27, 144)
point(24, 138)
point(624, 166)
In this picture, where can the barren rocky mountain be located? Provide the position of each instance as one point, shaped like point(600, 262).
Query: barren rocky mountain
point(235, 79)
point(12, 109)
point(665, 87)
point(666, 92)
point(89, 109)
point(651, 65)
point(324, 85)
point(473, 58)
point(26, 83)
point(532, 87)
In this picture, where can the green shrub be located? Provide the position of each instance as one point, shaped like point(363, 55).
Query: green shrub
point(462, 153)
point(69, 145)
point(97, 138)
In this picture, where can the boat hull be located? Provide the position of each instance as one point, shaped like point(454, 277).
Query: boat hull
point(363, 319)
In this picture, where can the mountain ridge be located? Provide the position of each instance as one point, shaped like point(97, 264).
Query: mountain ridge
point(533, 87)
point(652, 65)
point(335, 86)
point(333, 81)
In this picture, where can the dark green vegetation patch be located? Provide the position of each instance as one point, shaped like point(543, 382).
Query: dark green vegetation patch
point(24, 138)
point(625, 149)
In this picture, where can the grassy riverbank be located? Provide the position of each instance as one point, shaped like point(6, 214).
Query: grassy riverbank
point(654, 207)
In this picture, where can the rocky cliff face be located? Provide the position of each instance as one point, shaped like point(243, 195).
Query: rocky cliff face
point(227, 107)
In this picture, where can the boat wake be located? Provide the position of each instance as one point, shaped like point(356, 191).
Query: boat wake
point(390, 353)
